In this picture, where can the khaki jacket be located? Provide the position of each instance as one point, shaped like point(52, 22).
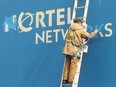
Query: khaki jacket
point(76, 33)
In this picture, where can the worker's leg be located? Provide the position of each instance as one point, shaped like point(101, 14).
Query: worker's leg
point(66, 68)
point(73, 68)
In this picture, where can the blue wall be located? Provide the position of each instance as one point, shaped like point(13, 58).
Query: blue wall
point(27, 63)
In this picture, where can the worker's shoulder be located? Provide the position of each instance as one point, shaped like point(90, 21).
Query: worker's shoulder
point(76, 26)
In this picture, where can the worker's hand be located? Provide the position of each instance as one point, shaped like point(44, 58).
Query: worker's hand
point(93, 34)
point(96, 31)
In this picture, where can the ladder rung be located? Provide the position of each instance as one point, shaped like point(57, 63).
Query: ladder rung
point(81, 17)
point(78, 72)
point(81, 7)
point(67, 84)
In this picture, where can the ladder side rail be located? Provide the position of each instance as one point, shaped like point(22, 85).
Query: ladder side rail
point(76, 79)
point(86, 10)
point(73, 16)
point(74, 11)
point(62, 74)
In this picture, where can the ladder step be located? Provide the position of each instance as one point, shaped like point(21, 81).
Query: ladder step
point(79, 61)
point(81, 17)
point(81, 7)
point(67, 84)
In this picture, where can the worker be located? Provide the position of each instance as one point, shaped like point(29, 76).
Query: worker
point(75, 38)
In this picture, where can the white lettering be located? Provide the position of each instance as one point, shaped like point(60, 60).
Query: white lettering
point(108, 29)
point(39, 37)
point(48, 36)
point(50, 13)
point(20, 22)
point(40, 19)
point(64, 34)
point(69, 15)
point(56, 34)
point(60, 16)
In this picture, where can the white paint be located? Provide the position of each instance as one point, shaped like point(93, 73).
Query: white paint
point(48, 36)
point(50, 16)
point(38, 37)
point(60, 16)
point(40, 19)
point(21, 20)
point(108, 29)
point(64, 33)
point(56, 34)
point(68, 15)
point(6, 27)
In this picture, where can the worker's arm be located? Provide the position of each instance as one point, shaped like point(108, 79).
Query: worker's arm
point(93, 34)
point(87, 35)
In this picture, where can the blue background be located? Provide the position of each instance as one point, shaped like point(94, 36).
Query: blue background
point(25, 64)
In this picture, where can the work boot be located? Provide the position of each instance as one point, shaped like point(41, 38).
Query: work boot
point(78, 56)
point(65, 82)
point(70, 82)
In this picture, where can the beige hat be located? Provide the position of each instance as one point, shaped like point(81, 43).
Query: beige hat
point(77, 20)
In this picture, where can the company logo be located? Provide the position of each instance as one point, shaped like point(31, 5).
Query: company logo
point(40, 20)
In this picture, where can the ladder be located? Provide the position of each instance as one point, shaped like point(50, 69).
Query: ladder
point(76, 78)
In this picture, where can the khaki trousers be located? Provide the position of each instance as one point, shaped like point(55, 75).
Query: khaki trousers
point(70, 68)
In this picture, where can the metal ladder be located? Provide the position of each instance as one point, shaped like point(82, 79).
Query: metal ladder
point(76, 78)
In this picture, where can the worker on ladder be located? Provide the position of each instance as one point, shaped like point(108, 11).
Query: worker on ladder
point(73, 47)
